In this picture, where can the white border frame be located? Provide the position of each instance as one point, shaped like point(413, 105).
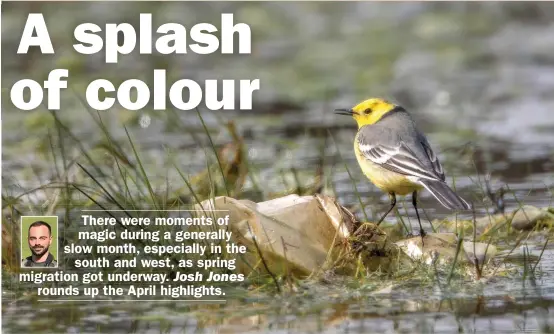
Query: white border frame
point(22, 242)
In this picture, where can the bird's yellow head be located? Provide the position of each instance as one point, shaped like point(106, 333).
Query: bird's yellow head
point(369, 111)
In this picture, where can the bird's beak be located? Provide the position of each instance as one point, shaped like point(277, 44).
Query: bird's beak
point(347, 112)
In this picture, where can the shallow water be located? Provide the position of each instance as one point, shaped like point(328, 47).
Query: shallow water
point(499, 305)
point(485, 105)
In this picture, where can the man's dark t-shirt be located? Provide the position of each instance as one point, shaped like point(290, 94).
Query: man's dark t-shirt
point(50, 262)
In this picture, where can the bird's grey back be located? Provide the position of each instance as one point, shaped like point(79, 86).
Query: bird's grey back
point(405, 130)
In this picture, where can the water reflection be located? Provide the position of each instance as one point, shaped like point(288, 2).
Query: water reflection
point(361, 315)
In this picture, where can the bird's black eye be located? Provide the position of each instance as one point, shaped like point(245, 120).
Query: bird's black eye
point(367, 111)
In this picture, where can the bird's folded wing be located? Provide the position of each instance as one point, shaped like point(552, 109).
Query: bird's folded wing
point(401, 159)
point(433, 158)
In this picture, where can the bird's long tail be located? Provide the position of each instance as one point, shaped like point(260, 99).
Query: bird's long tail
point(445, 195)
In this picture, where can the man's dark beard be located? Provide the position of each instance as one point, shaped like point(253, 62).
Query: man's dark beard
point(44, 250)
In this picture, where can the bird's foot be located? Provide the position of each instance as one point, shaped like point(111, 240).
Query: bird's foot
point(422, 234)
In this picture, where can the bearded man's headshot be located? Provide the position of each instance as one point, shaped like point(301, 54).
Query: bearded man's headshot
point(41, 241)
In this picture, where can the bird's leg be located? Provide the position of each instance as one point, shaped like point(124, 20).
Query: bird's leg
point(392, 197)
point(414, 202)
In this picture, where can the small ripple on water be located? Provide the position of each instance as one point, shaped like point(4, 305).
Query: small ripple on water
point(97, 319)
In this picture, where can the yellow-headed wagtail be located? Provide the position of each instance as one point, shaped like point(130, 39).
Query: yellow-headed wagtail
point(396, 156)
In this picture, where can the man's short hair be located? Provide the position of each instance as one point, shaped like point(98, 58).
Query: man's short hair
point(41, 223)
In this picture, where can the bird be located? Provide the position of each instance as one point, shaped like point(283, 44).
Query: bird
point(397, 157)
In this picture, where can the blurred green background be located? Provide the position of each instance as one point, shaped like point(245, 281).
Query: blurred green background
point(477, 76)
